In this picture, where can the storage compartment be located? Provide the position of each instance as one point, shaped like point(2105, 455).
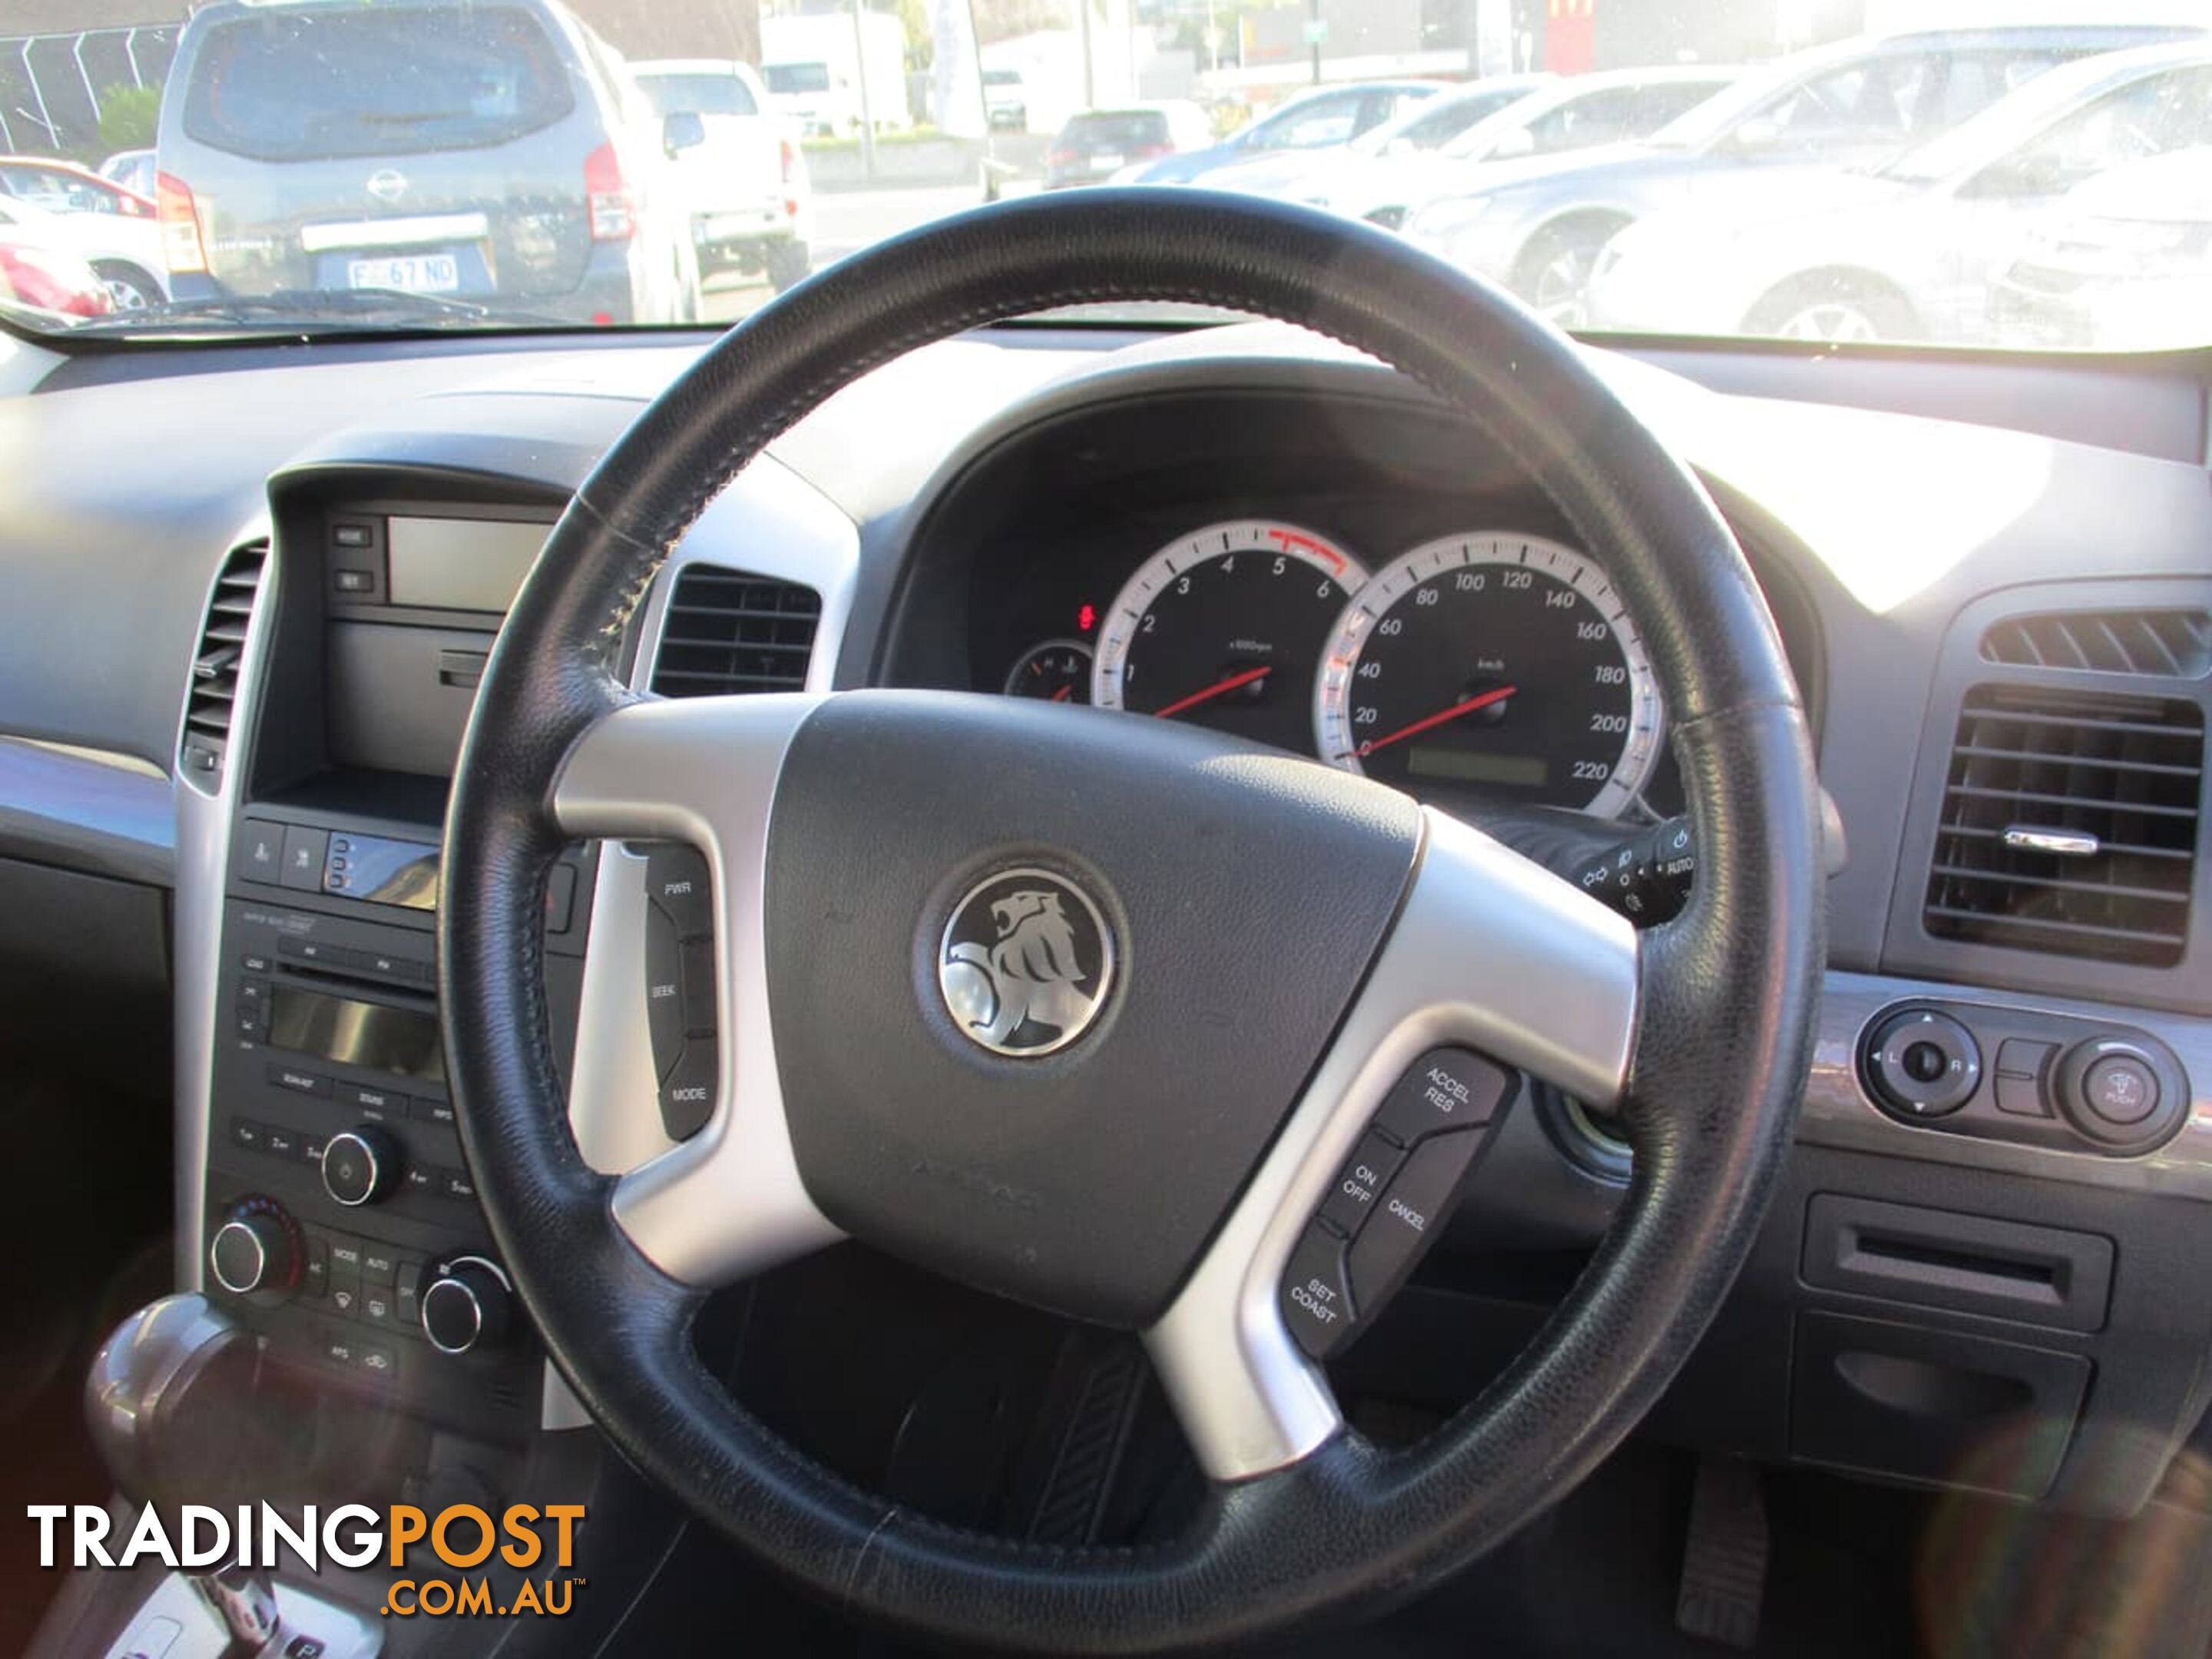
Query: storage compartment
point(1877, 1398)
point(1967, 1263)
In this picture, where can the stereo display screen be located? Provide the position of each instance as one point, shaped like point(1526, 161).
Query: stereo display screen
point(352, 1033)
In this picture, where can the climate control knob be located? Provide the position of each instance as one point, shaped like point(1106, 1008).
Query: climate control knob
point(468, 1305)
point(359, 1165)
point(253, 1251)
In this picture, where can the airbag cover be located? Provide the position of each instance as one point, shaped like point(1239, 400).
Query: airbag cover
point(1247, 892)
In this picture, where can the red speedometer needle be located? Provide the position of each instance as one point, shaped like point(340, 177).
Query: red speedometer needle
point(1219, 689)
point(1484, 701)
point(1063, 694)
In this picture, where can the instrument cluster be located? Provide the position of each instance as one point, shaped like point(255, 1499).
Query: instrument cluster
point(1492, 659)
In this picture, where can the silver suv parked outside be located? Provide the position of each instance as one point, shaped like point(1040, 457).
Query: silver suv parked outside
point(498, 154)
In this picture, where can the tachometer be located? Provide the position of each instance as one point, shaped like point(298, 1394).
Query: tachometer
point(1224, 626)
point(1498, 660)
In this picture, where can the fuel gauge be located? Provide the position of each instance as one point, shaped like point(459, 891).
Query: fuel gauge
point(1058, 671)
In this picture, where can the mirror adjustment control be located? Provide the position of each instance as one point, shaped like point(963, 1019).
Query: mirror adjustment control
point(360, 1165)
point(1922, 1063)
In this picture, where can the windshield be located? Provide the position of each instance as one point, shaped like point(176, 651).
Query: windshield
point(1911, 172)
point(796, 78)
point(698, 94)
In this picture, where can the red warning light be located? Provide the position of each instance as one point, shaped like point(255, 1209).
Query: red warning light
point(1086, 619)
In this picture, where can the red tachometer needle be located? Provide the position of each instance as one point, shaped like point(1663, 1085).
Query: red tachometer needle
point(1221, 688)
point(1063, 694)
point(1484, 701)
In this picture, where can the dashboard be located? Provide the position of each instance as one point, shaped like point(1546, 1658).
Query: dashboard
point(1377, 607)
point(1240, 528)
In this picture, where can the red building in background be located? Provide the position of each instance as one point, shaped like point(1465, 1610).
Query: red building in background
point(1570, 36)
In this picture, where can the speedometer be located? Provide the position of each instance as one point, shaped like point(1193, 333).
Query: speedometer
point(1496, 660)
point(1223, 627)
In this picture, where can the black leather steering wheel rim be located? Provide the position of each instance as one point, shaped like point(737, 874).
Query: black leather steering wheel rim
point(1726, 990)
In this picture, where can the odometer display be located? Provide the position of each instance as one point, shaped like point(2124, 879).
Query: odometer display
point(1494, 661)
point(1223, 627)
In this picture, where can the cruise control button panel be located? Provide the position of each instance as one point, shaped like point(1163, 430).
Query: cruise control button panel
point(1390, 1200)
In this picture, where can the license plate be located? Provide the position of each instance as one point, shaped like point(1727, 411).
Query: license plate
point(1106, 163)
point(722, 226)
point(412, 273)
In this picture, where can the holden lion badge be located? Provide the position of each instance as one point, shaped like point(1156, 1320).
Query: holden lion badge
point(1025, 964)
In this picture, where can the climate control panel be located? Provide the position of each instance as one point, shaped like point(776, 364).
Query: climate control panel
point(372, 1311)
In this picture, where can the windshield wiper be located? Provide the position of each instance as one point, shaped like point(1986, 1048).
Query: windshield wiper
point(288, 309)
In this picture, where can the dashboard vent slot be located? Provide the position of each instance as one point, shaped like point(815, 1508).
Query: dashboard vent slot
point(2173, 644)
point(213, 692)
point(729, 632)
point(2069, 825)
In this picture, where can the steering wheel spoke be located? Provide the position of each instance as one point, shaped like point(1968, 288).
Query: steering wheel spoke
point(1490, 952)
point(728, 1202)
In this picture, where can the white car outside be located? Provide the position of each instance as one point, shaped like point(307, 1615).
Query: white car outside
point(745, 183)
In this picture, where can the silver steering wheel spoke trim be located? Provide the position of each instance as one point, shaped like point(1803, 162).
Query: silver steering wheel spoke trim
point(1489, 951)
point(728, 1203)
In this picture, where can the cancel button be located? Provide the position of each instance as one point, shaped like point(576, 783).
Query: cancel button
point(1409, 1217)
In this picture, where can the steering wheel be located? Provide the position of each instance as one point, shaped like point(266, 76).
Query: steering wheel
point(1088, 1011)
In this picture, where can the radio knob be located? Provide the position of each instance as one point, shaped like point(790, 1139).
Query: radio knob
point(252, 1252)
point(468, 1306)
point(359, 1165)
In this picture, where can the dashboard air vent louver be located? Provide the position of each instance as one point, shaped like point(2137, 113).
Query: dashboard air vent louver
point(2069, 825)
point(213, 690)
point(730, 632)
point(2174, 644)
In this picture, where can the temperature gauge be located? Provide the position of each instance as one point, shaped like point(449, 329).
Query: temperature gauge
point(1058, 671)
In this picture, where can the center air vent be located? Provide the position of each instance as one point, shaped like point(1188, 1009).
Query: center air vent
point(213, 692)
point(2069, 825)
point(2175, 644)
point(727, 632)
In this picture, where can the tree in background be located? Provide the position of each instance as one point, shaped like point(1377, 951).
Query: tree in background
point(128, 117)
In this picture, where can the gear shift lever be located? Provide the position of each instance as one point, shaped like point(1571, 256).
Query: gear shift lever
point(140, 1380)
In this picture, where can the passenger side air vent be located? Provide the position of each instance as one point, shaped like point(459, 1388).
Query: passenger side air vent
point(213, 691)
point(727, 632)
point(2069, 825)
point(2174, 644)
